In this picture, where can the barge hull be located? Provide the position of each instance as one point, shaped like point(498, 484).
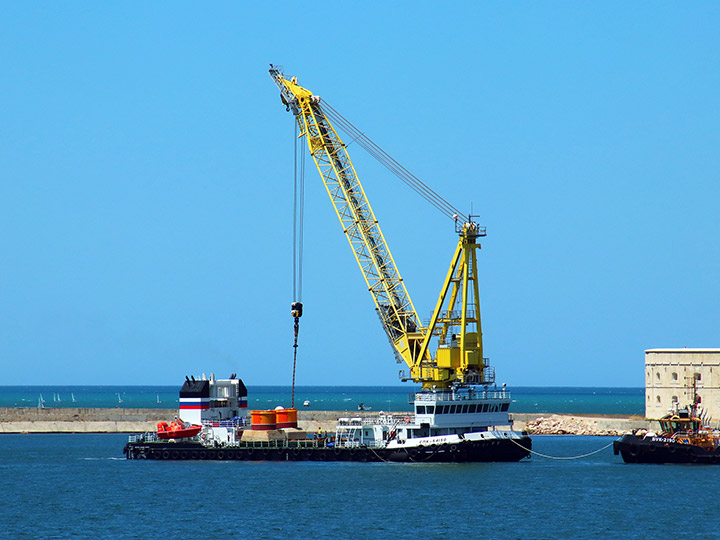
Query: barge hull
point(497, 450)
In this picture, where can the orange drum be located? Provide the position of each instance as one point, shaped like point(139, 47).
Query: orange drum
point(263, 420)
point(286, 418)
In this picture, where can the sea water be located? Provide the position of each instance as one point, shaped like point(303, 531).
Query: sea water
point(80, 486)
point(332, 398)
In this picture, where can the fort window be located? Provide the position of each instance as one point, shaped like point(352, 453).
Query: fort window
point(674, 399)
point(658, 399)
point(698, 377)
point(658, 376)
point(674, 376)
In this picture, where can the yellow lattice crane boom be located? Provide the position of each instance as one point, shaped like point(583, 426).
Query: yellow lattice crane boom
point(458, 359)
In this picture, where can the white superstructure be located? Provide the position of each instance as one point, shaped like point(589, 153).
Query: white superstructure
point(438, 417)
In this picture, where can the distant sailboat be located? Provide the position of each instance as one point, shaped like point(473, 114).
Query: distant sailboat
point(158, 398)
point(73, 397)
point(41, 402)
point(54, 396)
point(58, 397)
point(119, 398)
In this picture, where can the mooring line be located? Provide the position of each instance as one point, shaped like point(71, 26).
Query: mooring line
point(563, 457)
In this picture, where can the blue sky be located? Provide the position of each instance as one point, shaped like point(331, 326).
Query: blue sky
point(146, 185)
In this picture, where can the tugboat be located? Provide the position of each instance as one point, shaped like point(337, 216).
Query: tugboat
point(461, 425)
point(684, 437)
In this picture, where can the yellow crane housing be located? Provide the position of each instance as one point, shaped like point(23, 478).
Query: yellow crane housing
point(458, 358)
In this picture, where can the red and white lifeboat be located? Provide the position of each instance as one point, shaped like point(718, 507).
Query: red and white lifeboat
point(176, 430)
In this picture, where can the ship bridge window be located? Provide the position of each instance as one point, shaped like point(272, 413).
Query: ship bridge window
point(421, 409)
point(472, 408)
point(431, 409)
point(441, 409)
point(505, 407)
point(464, 409)
point(453, 409)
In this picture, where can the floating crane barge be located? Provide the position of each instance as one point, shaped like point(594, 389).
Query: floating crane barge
point(430, 434)
point(458, 415)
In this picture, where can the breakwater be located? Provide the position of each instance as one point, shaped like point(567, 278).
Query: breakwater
point(581, 424)
point(118, 420)
point(79, 420)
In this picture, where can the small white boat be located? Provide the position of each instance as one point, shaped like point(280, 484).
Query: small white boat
point(306, 403)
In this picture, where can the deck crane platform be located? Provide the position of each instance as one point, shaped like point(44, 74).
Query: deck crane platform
point(458, 358)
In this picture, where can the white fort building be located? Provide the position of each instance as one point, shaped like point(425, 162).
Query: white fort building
point(669, 376)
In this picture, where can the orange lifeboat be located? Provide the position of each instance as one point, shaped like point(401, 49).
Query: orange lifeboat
point(176, 430)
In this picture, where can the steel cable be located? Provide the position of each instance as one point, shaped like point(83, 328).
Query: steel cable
point(562, 457)
point(391, 164)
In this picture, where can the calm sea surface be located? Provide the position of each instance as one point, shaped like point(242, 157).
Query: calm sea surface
point(79, 486)
point(335, 398)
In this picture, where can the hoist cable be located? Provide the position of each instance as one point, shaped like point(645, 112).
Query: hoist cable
point(298, 235)
point(295, 206)
point(301, 224)
point(391, 164)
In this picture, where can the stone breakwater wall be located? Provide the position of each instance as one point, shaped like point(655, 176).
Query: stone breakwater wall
point(118, 420)
point(80, 420)
point(567, 424)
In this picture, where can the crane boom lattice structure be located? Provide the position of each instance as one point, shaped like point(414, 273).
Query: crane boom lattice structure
point(461, 362)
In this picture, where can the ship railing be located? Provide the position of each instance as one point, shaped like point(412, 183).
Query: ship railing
point(381, 420)
point(143, 437)
point(285, 444)
point(458, 396)
point(238, 421)
point(358, 444)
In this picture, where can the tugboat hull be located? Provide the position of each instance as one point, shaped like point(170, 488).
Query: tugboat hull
point(497, 450)
point(634, 449)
